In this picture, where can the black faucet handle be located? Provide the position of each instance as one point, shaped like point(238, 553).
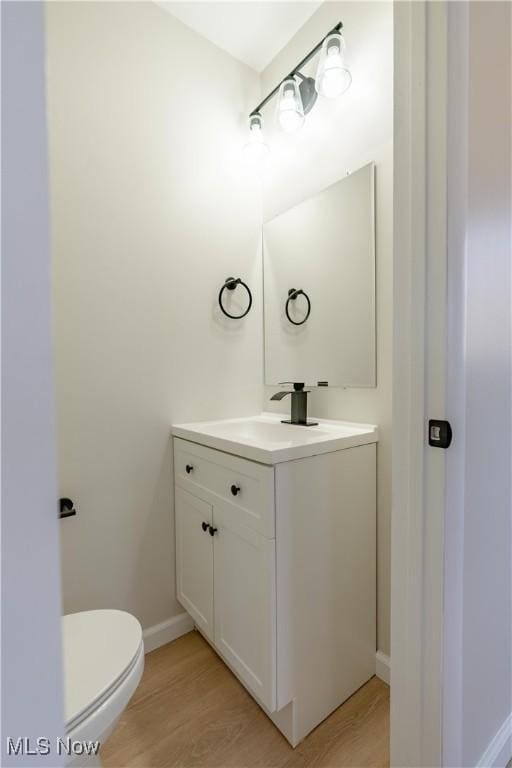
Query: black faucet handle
point(298, 386)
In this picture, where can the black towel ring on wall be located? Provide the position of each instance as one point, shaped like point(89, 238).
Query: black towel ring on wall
point(292, 295)
point(230, 284)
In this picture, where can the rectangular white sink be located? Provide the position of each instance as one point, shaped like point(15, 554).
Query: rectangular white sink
point(265, 439)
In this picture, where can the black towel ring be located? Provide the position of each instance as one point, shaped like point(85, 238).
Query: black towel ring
point(292, 295)
point(231, 283)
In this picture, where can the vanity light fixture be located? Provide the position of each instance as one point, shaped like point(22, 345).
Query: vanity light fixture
point(256, 148)
point(298, 93)
point(332, 76)
point(290, 110)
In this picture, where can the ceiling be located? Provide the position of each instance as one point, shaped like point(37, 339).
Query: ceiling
point(250, 30)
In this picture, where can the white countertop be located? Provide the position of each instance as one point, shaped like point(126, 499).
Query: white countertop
point(265, 439)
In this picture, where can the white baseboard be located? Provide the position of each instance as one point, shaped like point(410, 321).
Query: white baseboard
point(170, 630)
point(499, 751)
point(383, 666)
point(167, 631)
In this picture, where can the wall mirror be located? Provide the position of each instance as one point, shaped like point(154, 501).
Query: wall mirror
point(319, 287)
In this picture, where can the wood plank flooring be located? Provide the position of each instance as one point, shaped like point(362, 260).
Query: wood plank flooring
point(191, 712)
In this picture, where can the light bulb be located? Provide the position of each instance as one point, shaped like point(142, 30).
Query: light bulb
point(290, 112)
point(256, 148)
point(332, 77)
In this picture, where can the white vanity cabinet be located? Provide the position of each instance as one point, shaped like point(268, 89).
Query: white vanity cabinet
point(225, 559)
point(276, 564)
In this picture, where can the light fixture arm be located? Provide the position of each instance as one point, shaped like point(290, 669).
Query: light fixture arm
point(295, 71)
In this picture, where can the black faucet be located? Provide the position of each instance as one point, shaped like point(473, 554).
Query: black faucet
point(299, 404)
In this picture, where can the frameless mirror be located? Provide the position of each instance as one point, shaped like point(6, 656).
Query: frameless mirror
point(319, 287)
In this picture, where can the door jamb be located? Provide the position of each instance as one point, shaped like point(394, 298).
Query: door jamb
point(419, 364)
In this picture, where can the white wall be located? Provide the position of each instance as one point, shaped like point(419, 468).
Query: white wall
point(478, 561)
point(151, 211)
point(343, 135)
point(31, 655)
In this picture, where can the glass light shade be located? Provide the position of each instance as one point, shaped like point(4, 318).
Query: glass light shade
point(332, 76)
point(290, 112)
point(256, 148)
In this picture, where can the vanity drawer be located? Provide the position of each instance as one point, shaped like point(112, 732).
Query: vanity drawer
point(245, 485)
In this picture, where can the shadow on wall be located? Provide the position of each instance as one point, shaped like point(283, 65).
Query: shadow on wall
point(157, 536)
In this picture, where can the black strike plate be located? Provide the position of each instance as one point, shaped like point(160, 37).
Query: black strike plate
point(439, 433)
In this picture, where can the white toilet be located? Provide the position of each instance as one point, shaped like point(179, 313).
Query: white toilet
point(103, 664)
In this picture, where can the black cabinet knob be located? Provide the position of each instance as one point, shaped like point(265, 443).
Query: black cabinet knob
point(189, 468)
point(235, 489)
point(205, 526)
point(213, 530)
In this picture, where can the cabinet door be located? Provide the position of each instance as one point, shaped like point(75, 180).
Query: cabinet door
point(194, 559)
point(244, 578)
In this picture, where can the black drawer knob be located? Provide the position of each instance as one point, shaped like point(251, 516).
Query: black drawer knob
point(235, 490)
point(205, 526)
point(213, 530)
point(189, 468)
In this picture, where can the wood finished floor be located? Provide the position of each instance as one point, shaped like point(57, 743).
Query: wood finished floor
point(190, 711)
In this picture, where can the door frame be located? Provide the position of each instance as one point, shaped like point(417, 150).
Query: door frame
point(419, 380)
point(418, 473)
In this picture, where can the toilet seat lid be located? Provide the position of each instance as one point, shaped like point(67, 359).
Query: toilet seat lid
point(99, 648)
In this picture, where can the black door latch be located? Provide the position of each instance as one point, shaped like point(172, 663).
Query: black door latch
point(66, 508)
point(439, 433)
